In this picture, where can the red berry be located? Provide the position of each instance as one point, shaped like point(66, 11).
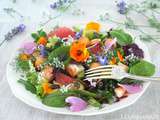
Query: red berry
point(63, 79)
point(62, 32)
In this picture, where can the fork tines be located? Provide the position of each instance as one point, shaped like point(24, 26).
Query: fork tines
point(99, 72)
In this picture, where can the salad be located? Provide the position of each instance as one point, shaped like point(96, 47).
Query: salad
point(53, 66)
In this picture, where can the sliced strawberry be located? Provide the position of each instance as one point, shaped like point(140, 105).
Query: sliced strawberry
point(62, 32)
point(63, 79)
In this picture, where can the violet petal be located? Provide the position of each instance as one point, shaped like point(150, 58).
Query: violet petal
point(77, 104)
point(102, 60)
point(132, 88)
point(29, 47)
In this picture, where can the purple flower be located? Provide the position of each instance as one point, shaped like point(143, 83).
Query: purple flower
point(28, 47)
point(16, 30)
point(122, 9)
point(76, 104)
point(43, 51)
point(102, 60)
point(132, 88)
point(53, 6)
point(21, 27)
point(78, 34)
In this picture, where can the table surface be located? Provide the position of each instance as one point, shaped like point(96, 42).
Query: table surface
point(37, 12)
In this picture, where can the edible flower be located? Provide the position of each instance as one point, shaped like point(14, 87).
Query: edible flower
point(24, 56)
point(102, 60)
point(109, 43)
point(76, 104)
point(46, 88)
point(78, 51)
point(132, 88)
point(42, 41)
point(93, 26)
point(28, 47)
point(43, 51)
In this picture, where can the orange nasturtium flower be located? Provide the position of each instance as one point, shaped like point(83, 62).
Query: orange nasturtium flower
point(78, 51)
point(46, 88)
point(93, 26)
point(42, 41)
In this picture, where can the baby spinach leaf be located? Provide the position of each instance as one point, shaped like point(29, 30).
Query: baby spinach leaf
point(122, 37)
point(142, 68)
point(62, 53)
point(54, 100)
point(30, 87)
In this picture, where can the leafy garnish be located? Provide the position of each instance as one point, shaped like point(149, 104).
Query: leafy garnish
point(62, 53)
point(22, 65)
point(30, 87)
point(54, 100)
point(142, 68)
point(40, 33)
point(122, 37)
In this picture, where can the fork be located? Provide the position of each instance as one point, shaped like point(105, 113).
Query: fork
point(114, 72)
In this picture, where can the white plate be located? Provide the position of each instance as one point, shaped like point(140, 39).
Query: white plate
point(21, 93)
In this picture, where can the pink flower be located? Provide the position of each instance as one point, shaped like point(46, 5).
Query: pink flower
point(29, 47)
point(76, 104)
point(132, 88)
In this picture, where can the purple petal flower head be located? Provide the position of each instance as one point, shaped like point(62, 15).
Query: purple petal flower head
point(76, 104)
point(29, 47)
point(16, 30)
point(21, 27)
point(43, 51)
point(122, 9)
point(102, 60)
point(132, 88)
point(53, 6)
point(78, 34)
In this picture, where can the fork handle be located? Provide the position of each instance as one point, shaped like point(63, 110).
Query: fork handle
point(143, 78)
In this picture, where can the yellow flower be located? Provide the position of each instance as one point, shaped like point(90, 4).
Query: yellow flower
point(93, 26)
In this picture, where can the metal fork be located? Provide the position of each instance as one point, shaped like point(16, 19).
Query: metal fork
point(114, 72)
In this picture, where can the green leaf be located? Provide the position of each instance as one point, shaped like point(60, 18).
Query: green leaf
point(42, 33)
point(30, 87)
point(54, 100)
point(61, 52)
point(22, 65)
point(39, 90)
point(142, 68)
point(122, 37)
point(32, 77)
point(35, 36)
point(94, 102)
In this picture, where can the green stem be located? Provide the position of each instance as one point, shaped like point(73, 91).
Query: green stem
point(149, 36)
